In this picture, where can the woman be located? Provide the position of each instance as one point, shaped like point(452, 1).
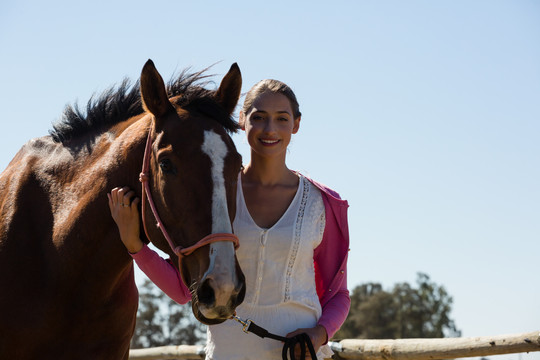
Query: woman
point(293, 239)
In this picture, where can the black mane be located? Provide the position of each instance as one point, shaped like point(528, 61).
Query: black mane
point(118, 104)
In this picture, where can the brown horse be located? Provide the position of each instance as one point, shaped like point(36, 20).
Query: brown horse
point(67, 289)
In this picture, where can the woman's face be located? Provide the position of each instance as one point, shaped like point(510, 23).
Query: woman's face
point(269, 124)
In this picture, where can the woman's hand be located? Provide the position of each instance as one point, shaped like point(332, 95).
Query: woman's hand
point(125, 213)
point(317, 335)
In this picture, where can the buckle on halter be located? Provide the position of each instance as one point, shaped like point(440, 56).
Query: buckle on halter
point(246, 323)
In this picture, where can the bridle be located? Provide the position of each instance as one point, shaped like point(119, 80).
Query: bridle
point(180, 251)
point(249, 326)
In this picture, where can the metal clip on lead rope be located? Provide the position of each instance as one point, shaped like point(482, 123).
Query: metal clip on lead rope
point(246, 323)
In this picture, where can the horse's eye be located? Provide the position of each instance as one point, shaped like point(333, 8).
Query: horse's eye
point(167, 167)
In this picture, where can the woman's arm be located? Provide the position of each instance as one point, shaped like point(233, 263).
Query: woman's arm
point(330, 261)
point(163, 274)
point(335, 311)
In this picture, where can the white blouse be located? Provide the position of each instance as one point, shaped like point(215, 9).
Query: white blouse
point(280, 278)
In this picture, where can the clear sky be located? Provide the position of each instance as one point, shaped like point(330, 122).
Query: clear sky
point(425, 115)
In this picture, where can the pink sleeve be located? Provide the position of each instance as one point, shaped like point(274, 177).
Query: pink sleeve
point(330, 262)
point(163, 274)
point(335, 311)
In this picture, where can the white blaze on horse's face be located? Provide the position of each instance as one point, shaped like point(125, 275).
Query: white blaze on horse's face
point(221, 273)
point(215, 148)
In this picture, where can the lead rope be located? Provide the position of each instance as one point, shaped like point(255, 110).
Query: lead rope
point(289, 343)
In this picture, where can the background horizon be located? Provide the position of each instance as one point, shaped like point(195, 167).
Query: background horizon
point(423, 115)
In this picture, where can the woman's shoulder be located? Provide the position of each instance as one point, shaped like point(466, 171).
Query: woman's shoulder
point(322, 187)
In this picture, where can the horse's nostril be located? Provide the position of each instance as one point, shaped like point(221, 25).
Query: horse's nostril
point(206, 293)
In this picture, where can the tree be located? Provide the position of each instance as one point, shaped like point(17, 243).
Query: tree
point(161, 321)
point(403, 312)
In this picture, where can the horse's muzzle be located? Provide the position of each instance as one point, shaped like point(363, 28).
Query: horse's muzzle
point(217, 300)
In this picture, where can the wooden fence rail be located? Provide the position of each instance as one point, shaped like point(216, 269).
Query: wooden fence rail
point(402, 349)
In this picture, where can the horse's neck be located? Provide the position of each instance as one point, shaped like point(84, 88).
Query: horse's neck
point(119, 159)
point(125, 153)
point(82, 209)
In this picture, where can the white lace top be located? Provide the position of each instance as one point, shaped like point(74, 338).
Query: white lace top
point(280, 278)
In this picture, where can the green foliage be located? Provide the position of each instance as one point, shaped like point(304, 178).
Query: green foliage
point(161, 321)
point(403, 312)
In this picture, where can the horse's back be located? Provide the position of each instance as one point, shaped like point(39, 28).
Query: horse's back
point(24, 199)
point(25, 228)
point(46, 289)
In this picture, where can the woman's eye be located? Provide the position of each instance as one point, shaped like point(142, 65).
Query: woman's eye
point(167, 167)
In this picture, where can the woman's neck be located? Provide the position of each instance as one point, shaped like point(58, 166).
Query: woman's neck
point(268, 172)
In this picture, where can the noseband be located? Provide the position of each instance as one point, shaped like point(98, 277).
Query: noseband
point(180, 251)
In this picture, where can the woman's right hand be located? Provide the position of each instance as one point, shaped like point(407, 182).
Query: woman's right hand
point(123, 206)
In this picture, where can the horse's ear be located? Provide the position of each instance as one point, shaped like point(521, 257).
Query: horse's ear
point(153, 93)
point(229, 89)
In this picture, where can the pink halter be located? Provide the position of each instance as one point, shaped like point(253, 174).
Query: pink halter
point(178, 250)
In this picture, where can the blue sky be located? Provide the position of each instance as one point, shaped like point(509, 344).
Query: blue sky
point(425, 115)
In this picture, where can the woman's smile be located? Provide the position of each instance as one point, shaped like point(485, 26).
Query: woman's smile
point(269, 142)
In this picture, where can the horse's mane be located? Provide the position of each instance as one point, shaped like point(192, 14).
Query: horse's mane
point(118, 104)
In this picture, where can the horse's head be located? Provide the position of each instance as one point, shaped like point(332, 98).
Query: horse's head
point(194, 168)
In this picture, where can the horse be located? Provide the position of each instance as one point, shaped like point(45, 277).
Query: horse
point(67, 288)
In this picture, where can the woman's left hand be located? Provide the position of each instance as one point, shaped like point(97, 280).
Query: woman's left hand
point(317, 335)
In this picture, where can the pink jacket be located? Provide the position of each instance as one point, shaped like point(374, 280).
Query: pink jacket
point(330, 259)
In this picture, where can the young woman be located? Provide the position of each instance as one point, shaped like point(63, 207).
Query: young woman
point(293, 236)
